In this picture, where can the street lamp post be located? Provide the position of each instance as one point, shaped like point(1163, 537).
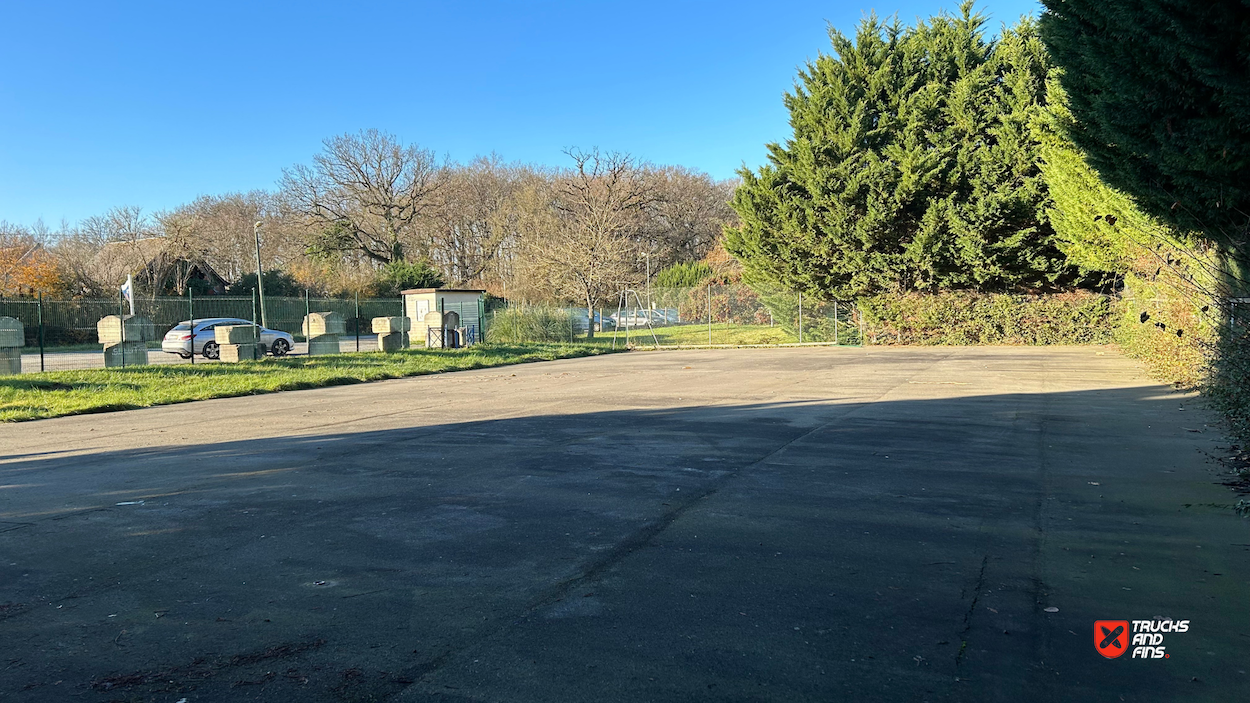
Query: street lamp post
point(260, 276)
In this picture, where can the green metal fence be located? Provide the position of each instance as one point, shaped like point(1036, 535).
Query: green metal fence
point(711, 315)
point(61, 334)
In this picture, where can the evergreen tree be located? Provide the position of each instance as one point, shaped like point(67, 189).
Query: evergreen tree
point(912, 166)
point(1160, 98)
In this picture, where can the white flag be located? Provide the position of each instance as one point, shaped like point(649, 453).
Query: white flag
point(128, 292)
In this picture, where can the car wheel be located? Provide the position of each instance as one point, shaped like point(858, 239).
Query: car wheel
point(280, 347)
point(211, 350)
point(184, 356)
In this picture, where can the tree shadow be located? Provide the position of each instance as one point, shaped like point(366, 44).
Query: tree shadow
point(745, 545)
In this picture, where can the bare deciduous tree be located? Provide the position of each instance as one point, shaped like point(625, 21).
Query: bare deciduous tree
point(467, 233)
point(688, 215)
point(365, 193)
point(581, 234)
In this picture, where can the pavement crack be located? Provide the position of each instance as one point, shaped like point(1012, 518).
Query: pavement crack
point(976, 596)
point(639, 539)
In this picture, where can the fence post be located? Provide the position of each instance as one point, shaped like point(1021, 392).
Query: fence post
point(191, 316)
point(121, 317)
point(835, 322)
point(709, 314)
point(800, 317)
point(307, 327)
point(401, 312)
point(254, 323)
point(40, 331)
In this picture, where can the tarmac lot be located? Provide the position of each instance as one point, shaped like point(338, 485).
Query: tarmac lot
point(809, 524)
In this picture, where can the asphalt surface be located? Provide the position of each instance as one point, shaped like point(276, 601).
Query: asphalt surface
point(731, 525)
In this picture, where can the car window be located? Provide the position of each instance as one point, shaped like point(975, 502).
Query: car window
point(182, 327)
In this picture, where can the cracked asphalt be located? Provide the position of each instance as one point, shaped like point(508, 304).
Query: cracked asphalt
point(815, 524)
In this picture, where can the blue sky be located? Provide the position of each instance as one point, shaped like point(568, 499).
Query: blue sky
point(152, 104)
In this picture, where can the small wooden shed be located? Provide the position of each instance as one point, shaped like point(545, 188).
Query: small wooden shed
point(466, 303)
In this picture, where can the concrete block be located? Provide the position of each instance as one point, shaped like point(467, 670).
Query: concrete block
point(138, 329)
point(393, 341)
point(317, 324)
point(11, 333)
point(10, 361)
point(382, 325)
point(135, 353)
point(234, 353)
point(323, 344)
point(235, 334)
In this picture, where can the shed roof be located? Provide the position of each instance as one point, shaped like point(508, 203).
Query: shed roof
point(415, 291)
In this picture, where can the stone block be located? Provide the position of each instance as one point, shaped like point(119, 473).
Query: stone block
point(132, 353)
point(234, 353)
point(382, 325)
point(138, 329)
point(11, 333)
point(393, 341)
point(10, 361)
point(317, 324)
point(235, 334)
point(323, 344)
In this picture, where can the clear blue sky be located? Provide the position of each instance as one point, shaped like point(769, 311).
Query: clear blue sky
point(153, 104)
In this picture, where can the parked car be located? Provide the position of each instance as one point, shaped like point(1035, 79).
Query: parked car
point(178, 340)
point(641, 317)
point(603, 322)
point(631, 319)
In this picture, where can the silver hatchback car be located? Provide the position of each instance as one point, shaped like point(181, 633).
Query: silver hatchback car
point(179, 339)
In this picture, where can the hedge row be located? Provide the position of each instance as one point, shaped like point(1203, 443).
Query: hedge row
point(985, 318)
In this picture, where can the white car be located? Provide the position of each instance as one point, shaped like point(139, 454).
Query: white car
point(179, 339)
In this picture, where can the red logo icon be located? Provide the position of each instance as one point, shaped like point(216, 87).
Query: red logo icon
point(1111, 637)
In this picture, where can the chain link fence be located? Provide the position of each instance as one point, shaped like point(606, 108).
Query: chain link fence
point(713, 315)
point(62, 334)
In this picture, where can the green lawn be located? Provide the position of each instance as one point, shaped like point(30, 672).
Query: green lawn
point(697, 335)
point(56, 393)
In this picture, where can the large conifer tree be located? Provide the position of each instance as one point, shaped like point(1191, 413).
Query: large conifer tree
point(912, 166)
point(1160, 95)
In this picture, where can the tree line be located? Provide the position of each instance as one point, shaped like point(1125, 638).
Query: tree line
point(371, 214)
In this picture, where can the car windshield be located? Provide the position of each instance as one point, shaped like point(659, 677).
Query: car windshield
point(182, 327)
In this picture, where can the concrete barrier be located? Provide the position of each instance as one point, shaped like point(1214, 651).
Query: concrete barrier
point(235, 334)
point(12, 339)
point(234, 353)
point(10, 361)
point(317, 324)
point(383, 325)
point(138, 329)
point(323, 344)
point(393, 341)
point(12, 334)
point(125, 353)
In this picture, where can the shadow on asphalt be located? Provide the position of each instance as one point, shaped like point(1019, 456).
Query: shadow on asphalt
point(777, 551)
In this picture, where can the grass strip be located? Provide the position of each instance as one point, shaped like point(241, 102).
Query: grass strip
point(59, 393)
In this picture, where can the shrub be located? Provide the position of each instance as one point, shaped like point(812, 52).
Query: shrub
point(531, 324)
point(980, 318)
point(683, 275)
point(399, 276)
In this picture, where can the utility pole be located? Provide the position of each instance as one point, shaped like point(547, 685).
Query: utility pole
point(260, 275)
